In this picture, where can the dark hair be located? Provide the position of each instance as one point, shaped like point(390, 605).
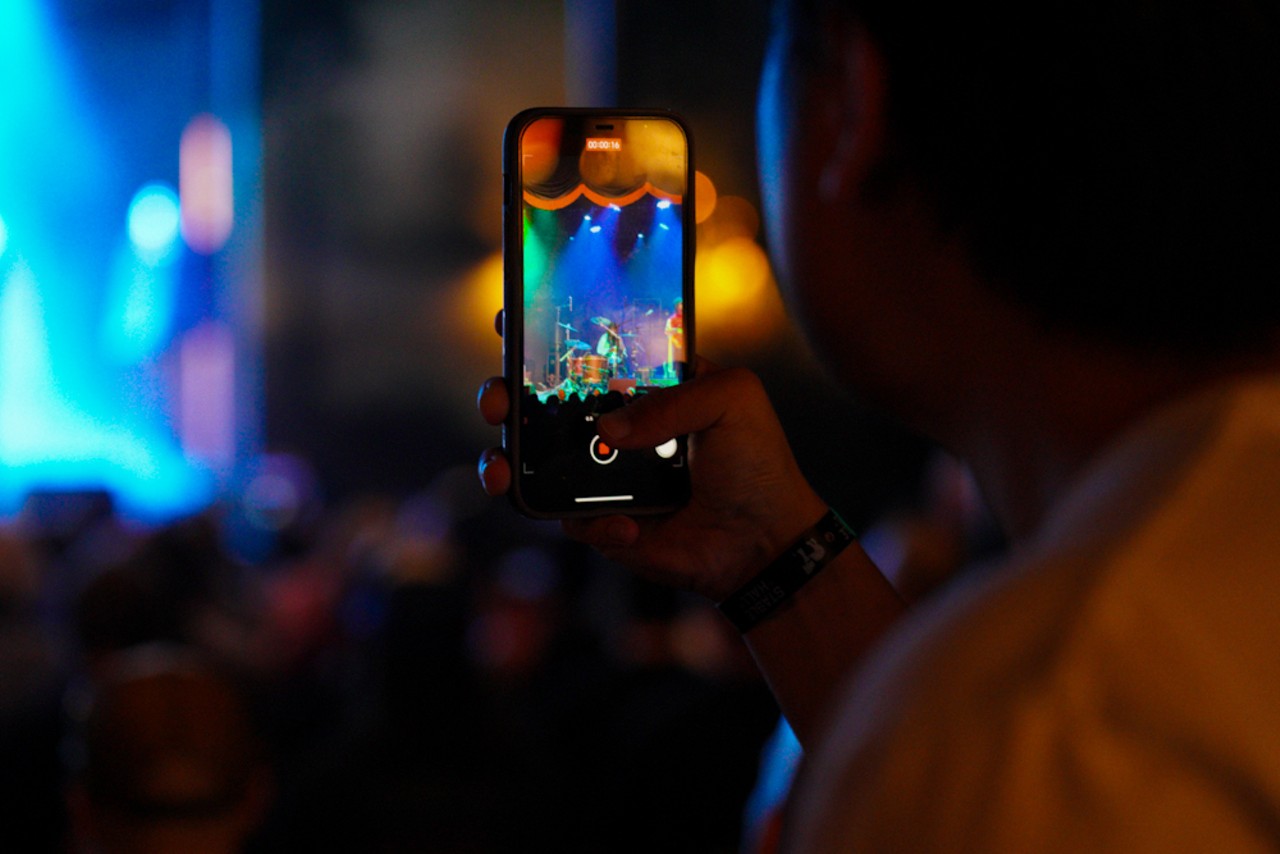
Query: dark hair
point(1111, 164)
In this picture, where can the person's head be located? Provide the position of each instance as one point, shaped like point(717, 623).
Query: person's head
point(1106, 167)
point(168, 758)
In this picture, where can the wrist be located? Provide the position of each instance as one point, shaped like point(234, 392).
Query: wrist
point(788, 521)
point(770, 534)
point(772, 587)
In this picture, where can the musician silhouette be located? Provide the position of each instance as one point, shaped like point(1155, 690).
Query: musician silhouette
point(675, 339)
point(612, 347)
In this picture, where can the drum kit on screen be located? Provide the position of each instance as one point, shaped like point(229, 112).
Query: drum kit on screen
point(594, 369)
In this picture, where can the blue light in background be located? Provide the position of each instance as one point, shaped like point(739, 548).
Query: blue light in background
point(143, 290)
point(141, 301)
point(153, 222)
point(105, 314)
point(48, 440)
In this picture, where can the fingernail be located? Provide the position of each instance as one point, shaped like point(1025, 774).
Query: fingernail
point(484, 386)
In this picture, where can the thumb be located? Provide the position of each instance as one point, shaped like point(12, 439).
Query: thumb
point(700, 404)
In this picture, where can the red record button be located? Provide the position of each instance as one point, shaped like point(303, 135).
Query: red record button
point(602, 452)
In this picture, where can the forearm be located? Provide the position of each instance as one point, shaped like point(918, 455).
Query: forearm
point(807, 647)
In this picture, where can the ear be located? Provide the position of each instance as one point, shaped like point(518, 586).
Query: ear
point(856, 108)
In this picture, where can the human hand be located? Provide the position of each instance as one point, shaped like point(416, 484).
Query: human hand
point(749, 500)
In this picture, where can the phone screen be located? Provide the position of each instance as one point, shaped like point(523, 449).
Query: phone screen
point(600, 217)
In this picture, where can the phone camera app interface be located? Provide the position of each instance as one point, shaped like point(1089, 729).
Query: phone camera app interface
point(603, 256)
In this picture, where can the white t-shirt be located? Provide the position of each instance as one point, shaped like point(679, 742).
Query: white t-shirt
point(1114, 686)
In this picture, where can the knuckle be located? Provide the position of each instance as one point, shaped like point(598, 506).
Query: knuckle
point(741, 380)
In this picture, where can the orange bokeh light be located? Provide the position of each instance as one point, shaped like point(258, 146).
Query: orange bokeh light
point(540, 149)
point(706, 197)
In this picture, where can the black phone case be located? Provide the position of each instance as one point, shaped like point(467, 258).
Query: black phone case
point(513, 306)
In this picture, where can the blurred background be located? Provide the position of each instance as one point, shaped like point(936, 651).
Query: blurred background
point(249, 266)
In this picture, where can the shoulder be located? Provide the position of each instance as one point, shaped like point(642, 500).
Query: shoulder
point(1116, 689)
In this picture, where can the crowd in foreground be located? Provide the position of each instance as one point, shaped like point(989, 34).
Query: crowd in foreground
point(385, 675)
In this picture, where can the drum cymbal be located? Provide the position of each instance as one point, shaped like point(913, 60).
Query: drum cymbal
point(602, 321)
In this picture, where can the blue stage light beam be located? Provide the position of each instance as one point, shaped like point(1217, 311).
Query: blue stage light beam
point(587, 267)
point(100, 302)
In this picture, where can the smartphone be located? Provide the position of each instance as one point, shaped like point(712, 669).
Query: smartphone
point(598, 305)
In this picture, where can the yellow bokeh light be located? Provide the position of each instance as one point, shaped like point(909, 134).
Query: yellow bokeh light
point(730, 276)
point(738, 302)
point(706, 197)
point(734, 216)
point(480, 299)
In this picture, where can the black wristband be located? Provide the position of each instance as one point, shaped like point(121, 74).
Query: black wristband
point(779, 581)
